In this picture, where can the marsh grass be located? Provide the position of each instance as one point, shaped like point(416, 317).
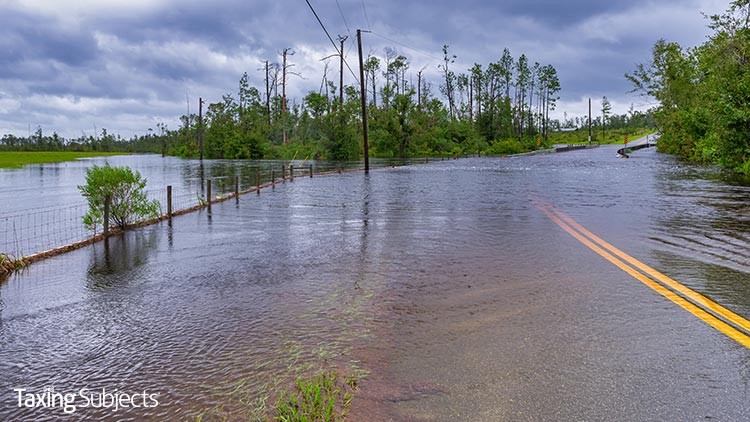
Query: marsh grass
point(18, 159)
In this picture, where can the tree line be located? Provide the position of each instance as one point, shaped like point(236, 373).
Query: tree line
point(704, 92)
point(484, 109)
point(501, 107)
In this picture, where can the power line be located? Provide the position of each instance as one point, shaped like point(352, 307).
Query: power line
point(331, 39)
point(406, 46)
point(364, 9)
point(344, 18)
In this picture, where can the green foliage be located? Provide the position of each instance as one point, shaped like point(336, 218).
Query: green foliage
point(704, 93)
point(506, 147)
point(124, 187)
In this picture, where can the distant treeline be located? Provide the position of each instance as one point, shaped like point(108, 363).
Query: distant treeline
point(498, 109)
point(104, 142)
point(704, 92)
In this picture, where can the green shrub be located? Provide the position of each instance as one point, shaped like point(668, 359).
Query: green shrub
point(128, 204)
point(508, 146)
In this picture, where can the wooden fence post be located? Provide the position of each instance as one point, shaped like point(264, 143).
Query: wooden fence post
point(208, 193)
point(291, 172)
point(107, 205)
point(169, 201)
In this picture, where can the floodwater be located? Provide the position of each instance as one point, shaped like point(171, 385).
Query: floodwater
point(42, 208)
point(443, 281)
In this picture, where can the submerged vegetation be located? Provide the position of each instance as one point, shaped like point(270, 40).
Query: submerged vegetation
point(704, 92)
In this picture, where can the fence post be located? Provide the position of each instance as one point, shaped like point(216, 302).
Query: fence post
point(208, 193)
point(169, 201)
point(311, 171)
point(291, 172)
point(283, 173)
point(257, 181)
point(107, 204)
point(273, 178)
point(237, 189)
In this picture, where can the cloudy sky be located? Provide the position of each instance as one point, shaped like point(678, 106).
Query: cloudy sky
point(126, 65)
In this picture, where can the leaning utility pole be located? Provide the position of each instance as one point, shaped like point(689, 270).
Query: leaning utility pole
point(363, 95)
point(589, 121)
point(200, 126)
point(341, 72)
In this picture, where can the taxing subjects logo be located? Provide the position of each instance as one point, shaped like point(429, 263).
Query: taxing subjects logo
point(85, 398)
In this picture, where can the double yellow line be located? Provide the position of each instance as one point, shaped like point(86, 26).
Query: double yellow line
point(713, 314)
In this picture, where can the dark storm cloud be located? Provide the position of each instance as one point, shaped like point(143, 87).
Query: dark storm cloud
point(26, 37)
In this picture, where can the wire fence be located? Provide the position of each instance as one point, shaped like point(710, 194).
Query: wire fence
point(46, 230)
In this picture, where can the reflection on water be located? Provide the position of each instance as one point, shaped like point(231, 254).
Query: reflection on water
point(443, 280)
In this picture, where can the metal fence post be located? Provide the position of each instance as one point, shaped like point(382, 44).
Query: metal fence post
point(257, 181)
point(311, 171)
point(273, 178)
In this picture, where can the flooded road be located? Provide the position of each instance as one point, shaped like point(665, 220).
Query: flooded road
point(444, 281)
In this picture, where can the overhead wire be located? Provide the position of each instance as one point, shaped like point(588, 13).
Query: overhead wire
point(364, 9)
point(331, 39)
point(344, 18)
point(406, 46)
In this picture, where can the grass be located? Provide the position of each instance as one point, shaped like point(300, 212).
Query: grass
point(18, 159)
point(317, 398)
point(613, 136)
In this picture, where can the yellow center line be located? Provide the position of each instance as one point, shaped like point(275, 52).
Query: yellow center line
point(708, 318)
point(696, 297)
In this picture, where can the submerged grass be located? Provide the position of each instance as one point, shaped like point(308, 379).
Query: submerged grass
point(322, 396)
point(319, 397)
point(18, 159)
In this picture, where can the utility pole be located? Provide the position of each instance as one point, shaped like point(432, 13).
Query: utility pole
point(283, 95)
point(419, 89)
point(589, 121)
point(363, 96)
point(200, 126)
point(471, 100)
point(341, 72)
point(268, 97)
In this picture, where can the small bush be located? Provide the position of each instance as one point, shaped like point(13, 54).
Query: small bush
point(129, 203)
